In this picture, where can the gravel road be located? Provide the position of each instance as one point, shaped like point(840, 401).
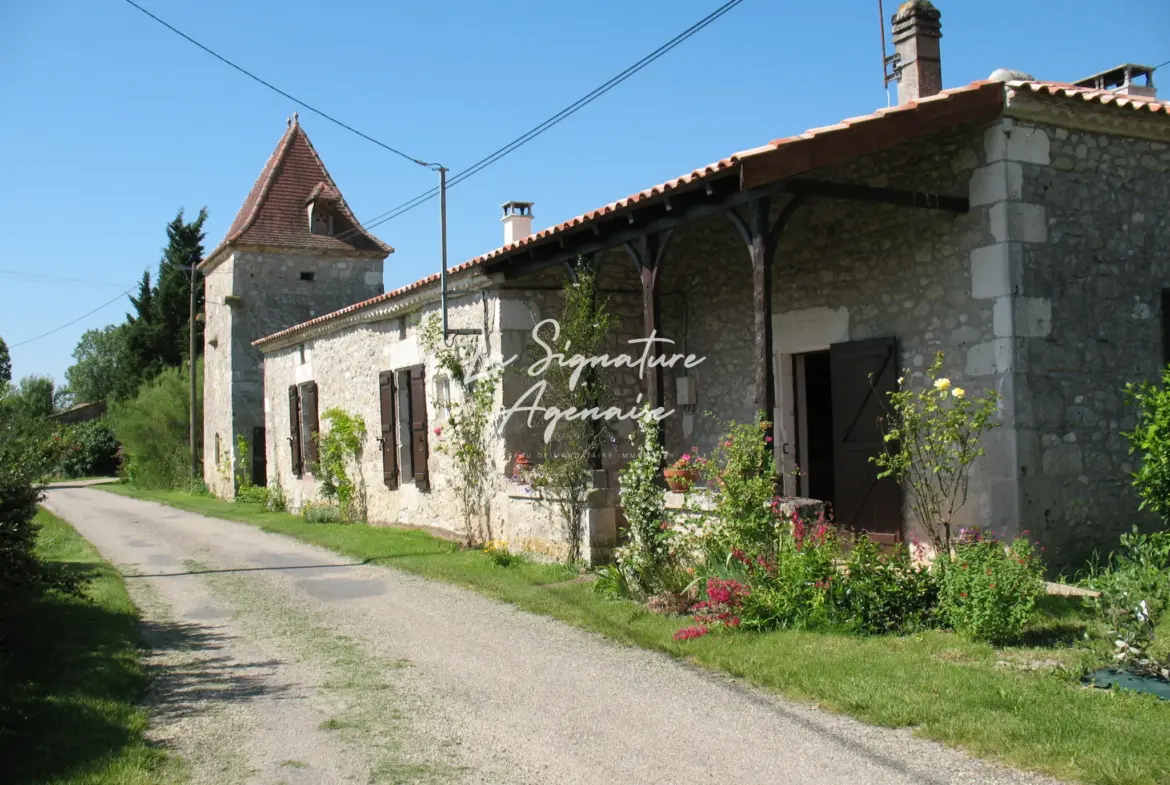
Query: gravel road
point(280, 662)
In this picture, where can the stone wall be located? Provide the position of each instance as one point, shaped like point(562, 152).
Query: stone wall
point(249, 296)
point(1093, 275)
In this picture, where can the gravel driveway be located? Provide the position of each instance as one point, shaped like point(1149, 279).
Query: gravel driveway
point(277, 661)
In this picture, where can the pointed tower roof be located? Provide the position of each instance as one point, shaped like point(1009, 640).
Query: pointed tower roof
point(274, 213)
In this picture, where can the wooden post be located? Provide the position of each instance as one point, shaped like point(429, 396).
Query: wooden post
point(647, 253)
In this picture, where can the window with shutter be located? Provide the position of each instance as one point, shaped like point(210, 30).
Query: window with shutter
point(294, 429)
point(863, 374)
point(310, 425)
point(389, 440)
point(419, 448)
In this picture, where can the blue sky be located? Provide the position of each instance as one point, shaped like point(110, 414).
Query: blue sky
point(111, 122)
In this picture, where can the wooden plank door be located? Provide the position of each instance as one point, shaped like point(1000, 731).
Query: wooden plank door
point(259, 457)
point(862, 374)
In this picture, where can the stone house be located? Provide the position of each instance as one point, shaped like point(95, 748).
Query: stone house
point(1017, 225)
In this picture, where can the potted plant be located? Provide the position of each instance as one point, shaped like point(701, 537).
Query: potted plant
point(681, 475)
point(520, 467)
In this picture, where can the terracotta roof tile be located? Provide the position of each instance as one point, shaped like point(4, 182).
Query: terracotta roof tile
point(981, 91)
point(274, 213)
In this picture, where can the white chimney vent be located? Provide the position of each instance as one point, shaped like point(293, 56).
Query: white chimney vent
point(517, 221)
point(1010, 75)
point(1122, 79)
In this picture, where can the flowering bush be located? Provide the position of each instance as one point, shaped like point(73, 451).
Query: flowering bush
point(931, 439)
point(498, 552)
point(690, 461)
point(988, 591)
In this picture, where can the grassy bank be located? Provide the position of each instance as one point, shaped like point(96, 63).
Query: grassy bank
point(1020, 705)
point(68, 693)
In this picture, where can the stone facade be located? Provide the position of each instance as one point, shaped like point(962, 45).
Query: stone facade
point(1048, 290)
point(249, 295)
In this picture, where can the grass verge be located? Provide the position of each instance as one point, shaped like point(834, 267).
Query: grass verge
point(68, 693)
point(1021, 706)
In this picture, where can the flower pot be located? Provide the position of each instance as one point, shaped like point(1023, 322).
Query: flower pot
point(680, 480)
point(520, 468)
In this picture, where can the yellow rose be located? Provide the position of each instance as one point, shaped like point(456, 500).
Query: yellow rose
point(942, 384)
point(958, 392)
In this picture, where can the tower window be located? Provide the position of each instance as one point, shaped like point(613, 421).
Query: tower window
point(308, 276)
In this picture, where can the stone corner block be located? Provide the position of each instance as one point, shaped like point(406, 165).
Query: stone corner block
point(999, 181)
point(991, 358)
point(1028, 144)
point(1022, 317)
point(1018, 222)
point(995, 271)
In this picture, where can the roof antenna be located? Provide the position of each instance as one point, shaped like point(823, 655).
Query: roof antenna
point(889, 62)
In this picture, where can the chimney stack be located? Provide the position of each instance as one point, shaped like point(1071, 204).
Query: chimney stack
point(1124, 79)
point(517, 221)
point(916, 34)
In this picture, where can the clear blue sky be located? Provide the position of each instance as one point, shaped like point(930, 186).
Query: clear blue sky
point(111, 122)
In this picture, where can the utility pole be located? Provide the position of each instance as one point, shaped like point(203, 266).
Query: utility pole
point(443, 223)
point(191, 371)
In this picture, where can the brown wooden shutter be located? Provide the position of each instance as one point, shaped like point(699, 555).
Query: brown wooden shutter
point(1165, 327)
point(312, 426)
point(389, 434)
point(863, 373)
point(294, 429)
point(259, 457)
point(418, 427)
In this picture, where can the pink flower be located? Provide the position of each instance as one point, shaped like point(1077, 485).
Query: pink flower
point(438, 430)
point(687, 633)
point(768, 439)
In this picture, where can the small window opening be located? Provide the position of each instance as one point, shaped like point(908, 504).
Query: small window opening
point(218, 453)
point(308, 276)
point(301, 353)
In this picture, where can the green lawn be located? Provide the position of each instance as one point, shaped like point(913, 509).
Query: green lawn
point(68, 712)
point(1022, 706)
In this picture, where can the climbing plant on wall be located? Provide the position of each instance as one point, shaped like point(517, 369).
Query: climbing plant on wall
point(464, 436)
point(339, 462)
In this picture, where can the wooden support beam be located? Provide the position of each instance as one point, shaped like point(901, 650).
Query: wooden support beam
point(647, 253)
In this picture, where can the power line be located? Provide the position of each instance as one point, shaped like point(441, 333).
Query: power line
point(536, 131)
point(277, 90)
point(78, 319)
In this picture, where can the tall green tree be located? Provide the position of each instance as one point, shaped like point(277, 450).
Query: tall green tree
point(98, 364)
point(33, 398)
point(5, 363)
point(155, 336)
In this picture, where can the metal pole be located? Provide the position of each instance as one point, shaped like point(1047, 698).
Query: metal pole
point(443, 220)
point(191, 369)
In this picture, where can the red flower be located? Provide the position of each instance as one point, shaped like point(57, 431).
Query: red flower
point(687, 633)
point(963, 594)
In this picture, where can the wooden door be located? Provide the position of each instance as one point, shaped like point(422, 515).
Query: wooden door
point(863, 374)
point(259, 457)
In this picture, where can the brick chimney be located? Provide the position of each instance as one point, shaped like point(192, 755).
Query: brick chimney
point(916, 34)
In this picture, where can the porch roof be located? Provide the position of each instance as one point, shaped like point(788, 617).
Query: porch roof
point(776, 161)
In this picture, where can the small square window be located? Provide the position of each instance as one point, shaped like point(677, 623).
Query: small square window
point(308, 276)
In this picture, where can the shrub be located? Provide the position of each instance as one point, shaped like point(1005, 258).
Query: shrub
point(988, 591)
point(646, 559)
point(322, 513)
point(792, 586)
point(611, 583)
point(1150, 439)
point(275, 500)
point(741, 471)
point(1134, 591)
point(500, 555)
point(252, 494)
point(340, 453)
point(153, 428)
point(880, 593)
point(931, 439)
point(91, 451)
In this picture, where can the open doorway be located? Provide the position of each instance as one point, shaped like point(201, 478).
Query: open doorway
point(814, 424)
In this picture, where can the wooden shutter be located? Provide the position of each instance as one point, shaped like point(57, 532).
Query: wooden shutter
point(259, 457)
point(418, 427)
point(862, 375)
point(294, 429)
point(389, 434)
point(1165, 327)
point(312, 425)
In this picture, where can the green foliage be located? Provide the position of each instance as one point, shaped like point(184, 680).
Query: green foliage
point(33, 397)
point(153, 429)
point(98, 369)
point(1134, 587)
point(322, 513)
point(791, 585)
point(932, 437)
point(878, 593)
point(611, 583)
point(741, 471)
point(5, 363)
point(1150, 441)
point(464, 438)
point(988, 591)
point(275, 500)
point(568, 460)
point(339, 454)
point(90, 449)
point(645, 559)
point(501, 555)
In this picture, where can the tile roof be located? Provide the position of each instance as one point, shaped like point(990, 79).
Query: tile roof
point(814, 148)
point(274, 213)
